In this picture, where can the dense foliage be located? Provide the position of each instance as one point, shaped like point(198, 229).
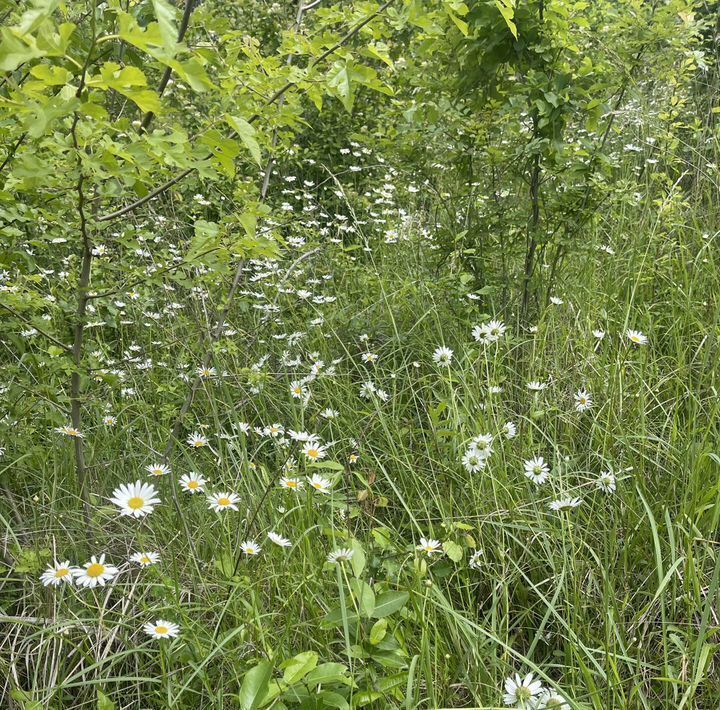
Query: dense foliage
point(359, 354)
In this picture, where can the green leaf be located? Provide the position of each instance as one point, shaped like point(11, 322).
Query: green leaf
point(255, 686)
point(103, 702)
point(246, 133)
point(34, 18)
point(339, 83)
point(15, 51)
point(364, 595)
point(366, 697)
point(24, 700)
point(296, 668)
point(144, 39)
point(507, 10)
point(453, 550)
point(328, 673)
point(389, 603)
point(335, 616)
point(130, 82)
point(331, 699)
point(193, 72)
point(378, 631)
point(165, 14)
point(42, 115)
point(223, 149)
point(460, 24)
point(51, 75)
point(332, 465)
point(357, 561)
point(381, 52)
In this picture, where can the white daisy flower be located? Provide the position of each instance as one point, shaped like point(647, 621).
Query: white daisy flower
point(429, 546)
point(443, 356)
point(583, 400)
point(522, 692)
point(509, 430)
point(250, 548)
point(563, 504)
point(340, 555)
point(109, 420)
point(480, 333)
point(69, 431)
point(320, 484)
point(314, 451)
point(223, 501)
point(192, 482)
point(537, 470)
point(279, 539)
point(606, 482)
point(483, 444)
point(162, 629)
point(636, 337)
point(298, 390)
point(158, 469)
point(473, 460)
point(197, 440)
point(205, 372)
point(57, 574)
point(293, 484)
point(137, 499)
point(475, 558)
point(145, 559)
point(94, 573)
point(550, 700)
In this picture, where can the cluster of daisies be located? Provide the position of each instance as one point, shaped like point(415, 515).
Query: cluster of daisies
point(480, 448)
point(527, 693)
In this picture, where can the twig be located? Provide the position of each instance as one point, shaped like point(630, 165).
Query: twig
point(42, 332)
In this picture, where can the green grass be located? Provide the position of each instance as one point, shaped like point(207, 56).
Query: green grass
point(614, 603)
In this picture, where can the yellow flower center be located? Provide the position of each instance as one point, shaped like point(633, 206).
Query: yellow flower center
point(62, 572)
point(198, 443)
point(193, 485)
point(249, 550)
point(162, 630)
point(136, 503)
point(95, 570)
point(223, 501)
point(291, 484)
point(313, 453)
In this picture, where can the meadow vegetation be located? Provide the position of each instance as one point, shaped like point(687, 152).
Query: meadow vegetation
point(359, 354)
